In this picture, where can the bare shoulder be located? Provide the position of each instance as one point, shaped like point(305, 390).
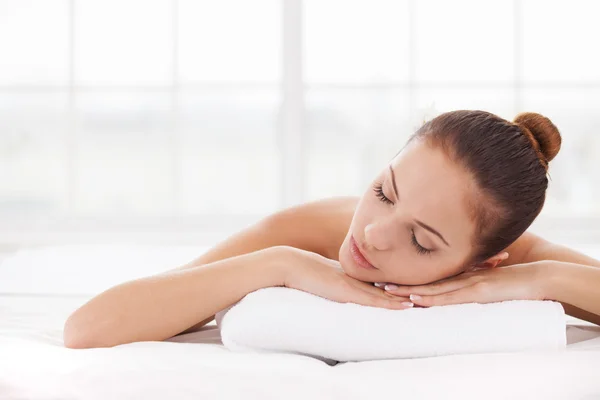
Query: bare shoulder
point(320, 225)
point(522, 249)
point(323, 207)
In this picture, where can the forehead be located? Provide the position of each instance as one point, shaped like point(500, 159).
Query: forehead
point(435, 190)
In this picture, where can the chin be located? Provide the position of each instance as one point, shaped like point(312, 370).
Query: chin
point(345, 259)
point(350, 268)
point(343, 256)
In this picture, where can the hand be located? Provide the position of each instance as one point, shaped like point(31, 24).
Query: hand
point(313, 273)
point(512, 282)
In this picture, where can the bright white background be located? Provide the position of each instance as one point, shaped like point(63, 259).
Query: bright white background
point(165, 121)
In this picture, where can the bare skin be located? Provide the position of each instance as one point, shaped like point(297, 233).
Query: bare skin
point(412, 224)
point(432, 189)
point(330, 219)
point(420, 183)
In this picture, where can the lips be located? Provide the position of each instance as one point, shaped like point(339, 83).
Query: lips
point(358, 256)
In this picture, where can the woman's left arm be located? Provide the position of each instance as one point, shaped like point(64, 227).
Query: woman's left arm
point(575, 286)
point(574, 280)
point(535, 270)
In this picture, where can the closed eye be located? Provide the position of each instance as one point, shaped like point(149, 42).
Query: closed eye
point(378, 189)
point(420, 249)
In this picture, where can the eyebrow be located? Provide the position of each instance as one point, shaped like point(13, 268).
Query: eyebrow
point(430, 229)
point(394, 181)
point(420, 223)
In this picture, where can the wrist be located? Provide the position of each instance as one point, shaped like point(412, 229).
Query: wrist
point(276, 264)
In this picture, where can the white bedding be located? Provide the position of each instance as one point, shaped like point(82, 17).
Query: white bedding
point(35, 365)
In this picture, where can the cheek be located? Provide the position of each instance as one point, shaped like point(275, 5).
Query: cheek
point(411, 269)
point(368, 209)
point(361, 217)
point(417, 270)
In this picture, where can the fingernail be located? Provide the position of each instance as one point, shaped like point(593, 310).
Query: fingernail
point(391, 287)
point(407, 304)
point(414, 297)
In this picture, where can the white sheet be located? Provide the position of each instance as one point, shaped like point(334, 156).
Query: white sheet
point(35, 365)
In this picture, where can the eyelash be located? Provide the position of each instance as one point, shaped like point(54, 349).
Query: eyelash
point(378, 189)
point(420, 249)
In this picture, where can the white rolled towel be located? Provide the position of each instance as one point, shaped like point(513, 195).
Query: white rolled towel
point(279, 319)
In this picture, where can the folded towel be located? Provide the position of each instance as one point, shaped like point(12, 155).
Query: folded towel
point(279, 319)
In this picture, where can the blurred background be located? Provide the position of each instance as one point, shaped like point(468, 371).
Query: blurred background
point(182, 121)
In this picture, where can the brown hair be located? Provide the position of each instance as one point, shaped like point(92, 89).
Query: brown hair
point(509, 164)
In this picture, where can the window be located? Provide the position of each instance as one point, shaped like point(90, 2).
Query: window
point(200, 116)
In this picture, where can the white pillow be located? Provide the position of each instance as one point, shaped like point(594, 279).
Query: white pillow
point(279, 319)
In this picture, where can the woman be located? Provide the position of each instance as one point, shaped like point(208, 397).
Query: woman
point(444, 223)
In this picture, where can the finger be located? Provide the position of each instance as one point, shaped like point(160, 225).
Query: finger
point(379, 298)
point(392, 304)
point(377, 291)
point(366, 286)
point(431, 288)
point(380, 284)
point(468, 294)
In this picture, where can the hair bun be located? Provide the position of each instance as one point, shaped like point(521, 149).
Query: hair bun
point(543, 131)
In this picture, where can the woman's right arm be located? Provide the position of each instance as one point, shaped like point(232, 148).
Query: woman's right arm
point(187, 297)
point(161, 306)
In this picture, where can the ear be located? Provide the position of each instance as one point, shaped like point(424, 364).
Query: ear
point(491, 262)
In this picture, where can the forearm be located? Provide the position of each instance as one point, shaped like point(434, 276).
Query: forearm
point(161, 306)
point(576, 287)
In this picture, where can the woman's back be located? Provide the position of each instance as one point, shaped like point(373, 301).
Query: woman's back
point(319, 226)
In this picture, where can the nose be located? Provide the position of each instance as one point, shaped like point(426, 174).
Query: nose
point(381, 234)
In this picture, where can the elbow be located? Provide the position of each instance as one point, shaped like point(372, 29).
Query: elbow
point(76, 342)
point(74, 336)
point(78, 334)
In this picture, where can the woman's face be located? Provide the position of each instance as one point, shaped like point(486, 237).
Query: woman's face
point(416, 229)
